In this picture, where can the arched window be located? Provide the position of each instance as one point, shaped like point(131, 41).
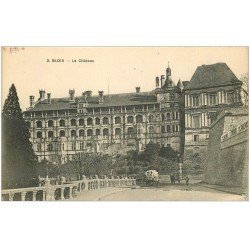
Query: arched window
point(168, 116)
point(28, 124)
point(118, 120)
point(139, 119)
point(130, 119)
point(50, 123)
point(163, 129)
point(105, 131)
point(97, 132)
point(81, 132)
point(117, 131)
point(151, 129)
point(89, 121)
point(39, 134)
point(162, 117)
point(168, 129)
point(73, 133)
point(89, 132)
point(81, 122)
point(39, 124)
point(50, 134)
point(130, 131)
point(62, 133)
point(73, 122)
point(97, 121)
point(105, 120)
point(62, 123)
point(150, 118)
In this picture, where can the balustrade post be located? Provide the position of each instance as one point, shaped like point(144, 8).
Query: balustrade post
point(62, 193)
point(70, 192)
point(86, 185)
point(23, 194)
point(44, 195)
point(11, 196)
point(34, 196)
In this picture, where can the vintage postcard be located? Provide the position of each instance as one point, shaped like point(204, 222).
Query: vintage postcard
point(124, 124)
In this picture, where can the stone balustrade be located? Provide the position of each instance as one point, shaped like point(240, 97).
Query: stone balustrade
point(235, 131)
point(63, 191)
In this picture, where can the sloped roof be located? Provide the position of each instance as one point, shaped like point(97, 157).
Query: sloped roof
point(213, 75)
point(93, 101)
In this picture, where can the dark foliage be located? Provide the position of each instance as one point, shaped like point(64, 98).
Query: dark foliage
point(18, 158)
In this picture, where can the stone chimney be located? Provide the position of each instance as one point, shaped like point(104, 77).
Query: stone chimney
point(162, 80)
point(49, 97)
point(32, 101)
point(137, 89)
point(71, 95)
point(41, 94)
point(84, 97)
point(100, 96)
point(157, 82)
point(88, 93)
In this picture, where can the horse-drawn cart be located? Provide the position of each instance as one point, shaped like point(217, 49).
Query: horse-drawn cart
point(151, 178)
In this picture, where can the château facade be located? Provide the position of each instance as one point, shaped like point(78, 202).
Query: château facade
point(212, 89)
point(172, 115)
point(115, 123)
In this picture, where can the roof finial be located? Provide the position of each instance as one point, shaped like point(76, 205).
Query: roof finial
point(168, 64)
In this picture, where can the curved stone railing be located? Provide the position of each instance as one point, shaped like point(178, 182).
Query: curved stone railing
point(63, 191)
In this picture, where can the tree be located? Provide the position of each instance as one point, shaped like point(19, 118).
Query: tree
point(91, 164)
point(194, 162)
point(151, 154)
point(18, 157)
point(169, 153)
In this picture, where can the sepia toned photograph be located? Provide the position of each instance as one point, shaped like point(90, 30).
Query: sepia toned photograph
point(124, 124)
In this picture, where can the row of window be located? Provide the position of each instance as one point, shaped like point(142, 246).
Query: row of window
point(197, 120)
point(73, 133)
point(105, 131)
point(105, 120)
point(52, 147)
point(212, 99)
point(167, 116)
point(175, 128)
point(90, 121)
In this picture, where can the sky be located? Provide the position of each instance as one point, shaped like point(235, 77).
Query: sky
point(113, 69)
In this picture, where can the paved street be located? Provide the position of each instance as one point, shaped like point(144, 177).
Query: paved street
point(164, 193)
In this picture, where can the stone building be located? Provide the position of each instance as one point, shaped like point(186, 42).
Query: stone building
point(228, 149)
point(62, 127)
point(212, 89)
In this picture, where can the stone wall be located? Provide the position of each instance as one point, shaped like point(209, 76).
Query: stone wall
point(227, 162)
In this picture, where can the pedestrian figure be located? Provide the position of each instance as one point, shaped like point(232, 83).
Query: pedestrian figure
point(172, 178)
point(178, 178)
point(187, 180)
